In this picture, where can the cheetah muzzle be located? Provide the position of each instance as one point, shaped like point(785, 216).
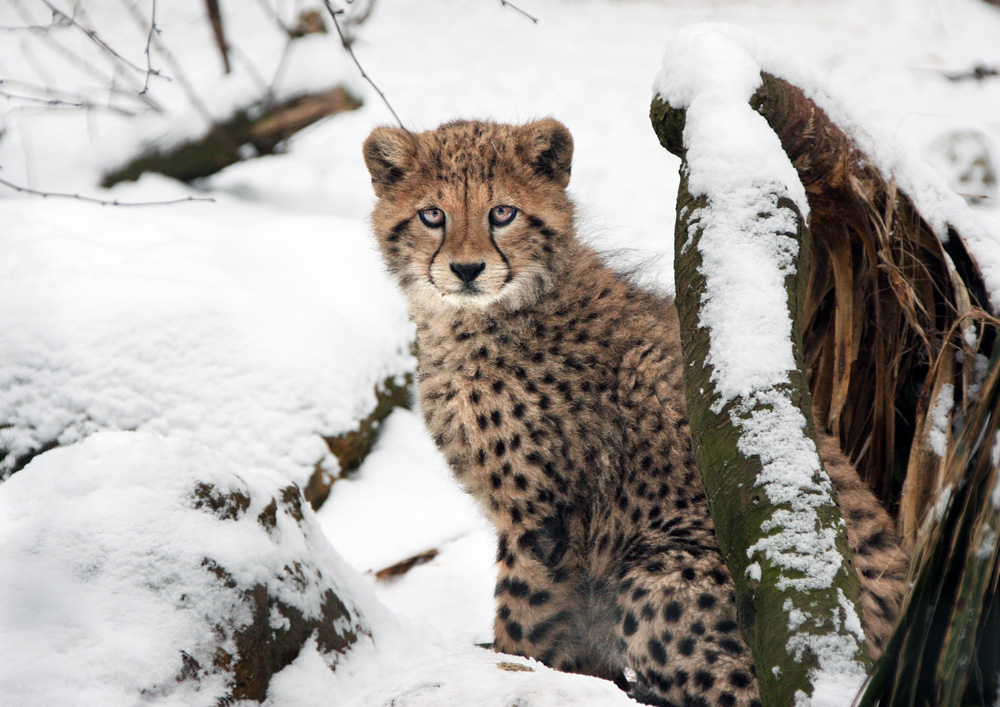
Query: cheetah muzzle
point(553, 387)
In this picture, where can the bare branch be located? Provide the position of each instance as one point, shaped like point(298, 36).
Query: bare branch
point(54, 98)
point(149, 41)
point(31, 29)
point(215, 17)
point(134, 90)
point(58, 16)
point(512, 6)
point(102, 202)
point(347, 47)
point(976, 73)
point(48, 100)
point(174, 65)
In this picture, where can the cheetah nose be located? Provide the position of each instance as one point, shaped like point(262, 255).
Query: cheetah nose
point(467, 272)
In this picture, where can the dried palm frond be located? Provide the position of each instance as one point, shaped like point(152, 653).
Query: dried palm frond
point(897, 328)
point(889, 307)
point(945, 649)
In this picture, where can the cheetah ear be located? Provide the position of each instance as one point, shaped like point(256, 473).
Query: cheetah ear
point(390, 154)
point(548, 147)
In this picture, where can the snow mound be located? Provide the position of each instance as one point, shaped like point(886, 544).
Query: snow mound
point(222, 323)
point(137, 567)
point(485, 679)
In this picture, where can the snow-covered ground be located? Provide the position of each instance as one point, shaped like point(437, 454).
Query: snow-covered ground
point(258, 323)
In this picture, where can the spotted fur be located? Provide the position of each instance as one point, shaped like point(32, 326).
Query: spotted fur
point(554, 389)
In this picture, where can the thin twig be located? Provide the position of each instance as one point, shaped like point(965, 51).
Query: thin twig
point(51, 98)
point(347, 47)
point(92, 35)
point(59, 103)
point(148, 53)
point(102, 202)
point(131, 92)
point(48, 100)
point(33, 29)
point(80, 63)
point(174, 65)
point(512, 6)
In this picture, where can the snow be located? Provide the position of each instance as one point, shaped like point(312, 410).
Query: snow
point(409, 671)
point(942, 501)
point(482, 678)
point(938, 416)
point(851, 619)
point(418, 511)
point(795, 617)
point(790, 474)
point(422, 510)
point(735, 160)
point(248, 328)
point(839, 678)
point(987, 543)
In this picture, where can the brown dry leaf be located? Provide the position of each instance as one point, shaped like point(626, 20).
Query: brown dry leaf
point(401, 568)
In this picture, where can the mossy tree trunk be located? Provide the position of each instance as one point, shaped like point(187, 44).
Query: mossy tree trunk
point(770, 594)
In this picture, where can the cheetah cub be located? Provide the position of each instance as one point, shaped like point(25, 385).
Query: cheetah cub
point(554, 389)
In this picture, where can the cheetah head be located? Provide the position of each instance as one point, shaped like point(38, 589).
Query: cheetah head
point(472, 213)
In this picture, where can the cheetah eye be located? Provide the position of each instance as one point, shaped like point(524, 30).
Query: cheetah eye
point(432, 218)
point(502, 215)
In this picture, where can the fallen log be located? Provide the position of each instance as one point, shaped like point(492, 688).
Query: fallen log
point(260, 129)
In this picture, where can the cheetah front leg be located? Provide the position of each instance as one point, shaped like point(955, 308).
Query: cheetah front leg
point(548, 610)
point(678, 619)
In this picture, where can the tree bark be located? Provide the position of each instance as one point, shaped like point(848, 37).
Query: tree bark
point(351, 448)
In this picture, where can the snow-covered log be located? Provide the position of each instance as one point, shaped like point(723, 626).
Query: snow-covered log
point(139, 569)
point(180, 324)
point(895, 293)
